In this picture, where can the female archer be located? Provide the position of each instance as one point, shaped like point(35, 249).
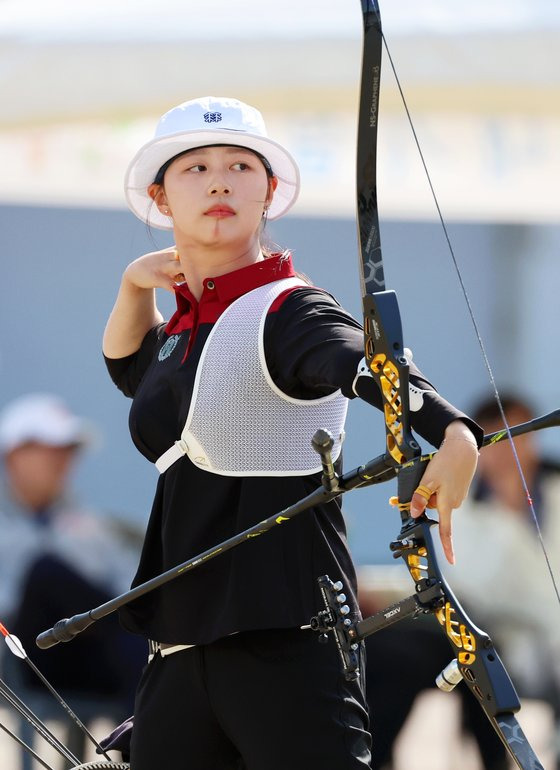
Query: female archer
point(226, 397)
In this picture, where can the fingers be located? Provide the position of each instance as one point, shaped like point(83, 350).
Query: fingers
point(427, 495)
point(445, 483)
point(178, 277)
point(445, 534)
point(418, 504)
point(156, 270)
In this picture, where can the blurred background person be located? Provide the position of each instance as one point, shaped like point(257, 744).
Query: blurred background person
point(500, 577)
point(58, 558)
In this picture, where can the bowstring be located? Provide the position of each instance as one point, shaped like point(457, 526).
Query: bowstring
point(474, 323)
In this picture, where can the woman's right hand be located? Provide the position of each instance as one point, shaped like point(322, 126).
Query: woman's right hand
point(156, 270)
point(135, 311)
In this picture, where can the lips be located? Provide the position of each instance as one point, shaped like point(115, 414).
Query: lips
point(220, 210)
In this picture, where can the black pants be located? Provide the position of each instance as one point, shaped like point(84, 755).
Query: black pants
point(261, 700)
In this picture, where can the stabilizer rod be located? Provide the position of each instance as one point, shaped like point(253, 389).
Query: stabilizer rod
point(380, 469)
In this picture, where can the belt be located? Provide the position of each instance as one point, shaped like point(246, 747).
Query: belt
point(165, 649)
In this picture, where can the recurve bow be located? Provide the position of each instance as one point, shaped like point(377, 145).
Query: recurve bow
point(475, 661)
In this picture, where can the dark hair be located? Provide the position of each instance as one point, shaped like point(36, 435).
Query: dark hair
point(487, 409)
point(158, 179)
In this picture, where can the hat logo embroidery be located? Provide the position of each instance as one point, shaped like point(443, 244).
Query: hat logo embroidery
point(168, 347)
point(212, 117)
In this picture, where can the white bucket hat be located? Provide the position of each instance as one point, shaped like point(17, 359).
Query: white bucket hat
point(199, 123)
point(44, 419)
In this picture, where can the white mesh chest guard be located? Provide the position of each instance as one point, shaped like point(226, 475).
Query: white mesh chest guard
point(240, 423)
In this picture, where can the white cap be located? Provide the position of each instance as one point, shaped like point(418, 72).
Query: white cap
point(199, 123)
point(43, 419)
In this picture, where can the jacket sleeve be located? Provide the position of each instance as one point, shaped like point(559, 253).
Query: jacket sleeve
point(127, 372)
point(313, 347)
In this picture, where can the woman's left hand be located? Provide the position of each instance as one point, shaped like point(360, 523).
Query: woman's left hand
point(448, 477)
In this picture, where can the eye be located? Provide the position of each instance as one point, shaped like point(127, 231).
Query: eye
point(241, 166)
point(197, 168)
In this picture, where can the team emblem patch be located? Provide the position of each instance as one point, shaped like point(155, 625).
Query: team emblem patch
point(212, 117)
point(168, 347)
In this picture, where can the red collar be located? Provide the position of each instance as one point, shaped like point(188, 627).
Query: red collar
point(221, 291)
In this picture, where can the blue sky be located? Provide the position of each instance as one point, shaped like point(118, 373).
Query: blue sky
point(146, 19)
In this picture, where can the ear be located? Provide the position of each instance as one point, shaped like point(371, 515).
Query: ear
point(157, 194)
point(272, 185)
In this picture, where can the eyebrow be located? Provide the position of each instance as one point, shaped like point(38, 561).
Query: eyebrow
point(231, 149)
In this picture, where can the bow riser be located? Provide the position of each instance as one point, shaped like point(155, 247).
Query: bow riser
point(477, 659)
point(385, 358)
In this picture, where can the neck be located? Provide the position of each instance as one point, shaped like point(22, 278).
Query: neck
point(198, 263)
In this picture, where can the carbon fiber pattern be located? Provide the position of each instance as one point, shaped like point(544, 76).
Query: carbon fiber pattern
point(509, 730)
point(371, 266)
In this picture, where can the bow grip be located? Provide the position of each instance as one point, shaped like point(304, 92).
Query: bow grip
point(409, 477)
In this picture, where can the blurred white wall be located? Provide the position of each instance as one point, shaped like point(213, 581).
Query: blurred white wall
point(83, 87)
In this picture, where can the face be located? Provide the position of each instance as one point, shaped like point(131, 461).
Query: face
point(497, 461)
point(215, 195)
point(37, 473)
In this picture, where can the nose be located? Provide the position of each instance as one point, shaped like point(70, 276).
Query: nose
point(219, 187)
